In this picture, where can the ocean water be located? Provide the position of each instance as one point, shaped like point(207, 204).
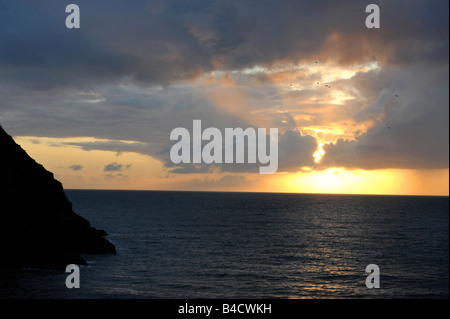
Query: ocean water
point(249, 245)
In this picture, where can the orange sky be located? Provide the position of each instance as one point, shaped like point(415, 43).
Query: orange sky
point(147, 173)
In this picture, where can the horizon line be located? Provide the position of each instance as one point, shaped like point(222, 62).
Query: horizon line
point(249, 192)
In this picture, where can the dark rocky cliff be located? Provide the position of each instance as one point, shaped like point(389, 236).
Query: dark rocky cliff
point(38, 227)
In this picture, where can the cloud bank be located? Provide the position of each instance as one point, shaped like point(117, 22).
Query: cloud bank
point(136, 70)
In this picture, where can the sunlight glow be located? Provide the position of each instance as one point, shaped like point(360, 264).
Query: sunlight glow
point(318, 155)
point(147, 173)
point(383, 182)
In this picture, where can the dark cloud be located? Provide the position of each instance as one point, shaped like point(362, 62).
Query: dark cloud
point(115, 146)
point(181, 40)
point(115, 167)
point(294, 152)
point(76, 167)
point(413, 126)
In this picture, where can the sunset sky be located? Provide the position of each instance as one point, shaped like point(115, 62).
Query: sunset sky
point(358, 110)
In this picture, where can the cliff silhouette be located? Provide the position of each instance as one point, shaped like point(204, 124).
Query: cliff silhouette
point(38, 227)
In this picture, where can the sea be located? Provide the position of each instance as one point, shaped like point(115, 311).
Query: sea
point(225, 245)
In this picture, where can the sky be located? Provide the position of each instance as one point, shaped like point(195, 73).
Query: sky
point(358, 110)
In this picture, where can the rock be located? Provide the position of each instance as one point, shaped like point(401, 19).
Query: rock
point(38, 227)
